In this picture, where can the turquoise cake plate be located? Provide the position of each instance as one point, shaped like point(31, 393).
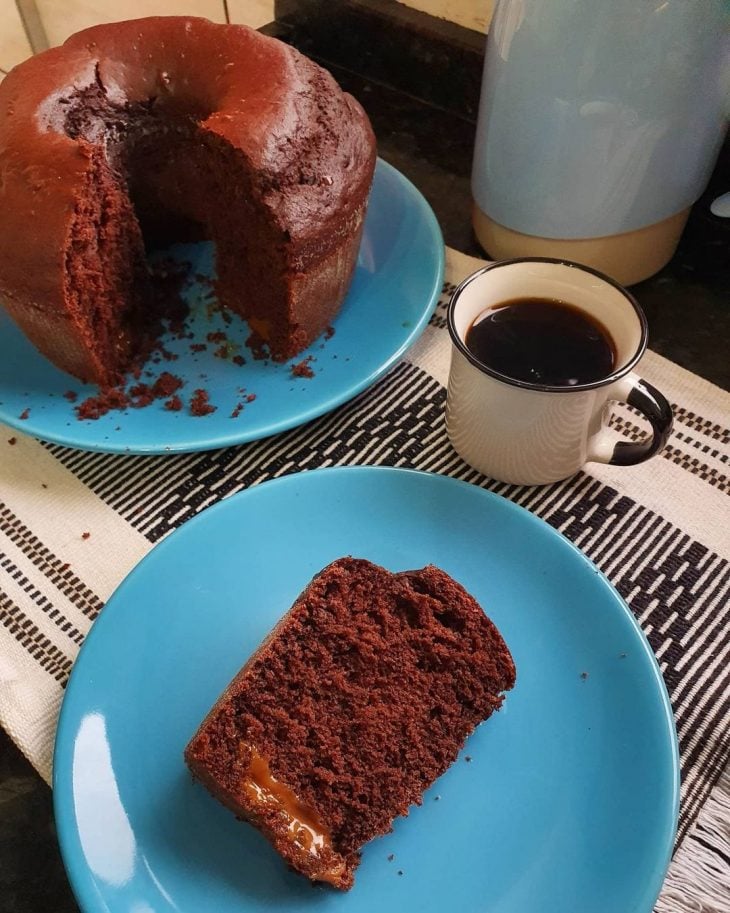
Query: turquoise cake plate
point(565, 801)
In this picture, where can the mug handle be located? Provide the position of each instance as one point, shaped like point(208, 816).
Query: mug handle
point(653, 405)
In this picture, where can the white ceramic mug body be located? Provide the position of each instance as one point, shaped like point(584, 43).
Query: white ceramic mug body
point(533, 434)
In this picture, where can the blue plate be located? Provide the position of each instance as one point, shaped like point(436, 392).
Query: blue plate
point(568, 803)
point(394, 291)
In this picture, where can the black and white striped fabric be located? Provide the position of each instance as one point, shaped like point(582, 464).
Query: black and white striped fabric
point(660, 533)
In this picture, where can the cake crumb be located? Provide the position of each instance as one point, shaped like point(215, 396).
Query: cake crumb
point(85, 535)
point(468, 759)
point(391, 857)
point(93, 407)
point(225, 350)
point(141, 396)
point(198, 347)
point(329, 332)
point(217, 337)
point(71, 396)
point(138, 396)
point(24, 414)
point(302, 369)
point(12, 441)
point(116, 398)
point(43, 485)
point(166, 384)
point(174, 404)
point(239, 360)
point(237, 411)
point(251, 397)
point(437, 798)
point(400, 871)
point(584, 675)
point(199, 404)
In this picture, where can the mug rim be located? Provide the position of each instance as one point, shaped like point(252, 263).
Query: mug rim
point(548, 388)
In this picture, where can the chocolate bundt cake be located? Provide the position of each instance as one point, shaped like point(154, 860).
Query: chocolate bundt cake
point(357, 701)
point(145, 132)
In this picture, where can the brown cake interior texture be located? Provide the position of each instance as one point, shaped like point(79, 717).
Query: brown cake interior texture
point(142, 133)
point(359, 699)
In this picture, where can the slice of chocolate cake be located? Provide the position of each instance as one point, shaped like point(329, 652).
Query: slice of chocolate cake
point(358, 700)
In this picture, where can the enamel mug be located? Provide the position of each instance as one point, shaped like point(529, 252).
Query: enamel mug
point(534, 434)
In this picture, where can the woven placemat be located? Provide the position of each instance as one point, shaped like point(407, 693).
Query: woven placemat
point(659, 531)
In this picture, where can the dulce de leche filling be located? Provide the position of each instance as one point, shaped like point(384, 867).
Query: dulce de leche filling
point(304, 828)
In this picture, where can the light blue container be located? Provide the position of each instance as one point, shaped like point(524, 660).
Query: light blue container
point(599, 124)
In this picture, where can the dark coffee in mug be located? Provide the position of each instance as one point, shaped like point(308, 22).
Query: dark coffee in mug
point(542, 341)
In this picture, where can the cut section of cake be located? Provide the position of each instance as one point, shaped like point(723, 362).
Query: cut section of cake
point(360, 697)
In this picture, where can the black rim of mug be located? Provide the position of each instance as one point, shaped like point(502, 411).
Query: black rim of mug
point(548, 388)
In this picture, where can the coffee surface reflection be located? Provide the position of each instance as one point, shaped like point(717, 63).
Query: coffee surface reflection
point(542, 341)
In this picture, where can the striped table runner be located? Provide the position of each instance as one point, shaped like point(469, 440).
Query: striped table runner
point(73, 524)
